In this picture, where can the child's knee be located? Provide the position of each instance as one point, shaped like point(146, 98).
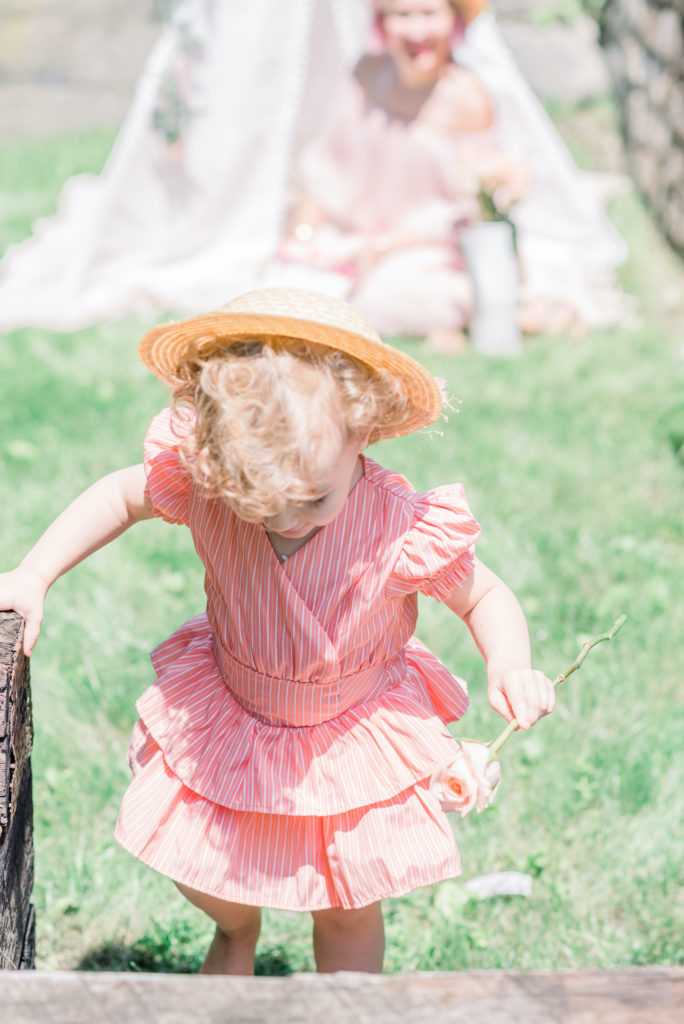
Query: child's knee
point(235, 920)
point(244, 932)
point(240, 922)
point(343, 920)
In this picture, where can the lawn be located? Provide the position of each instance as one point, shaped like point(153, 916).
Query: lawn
point(572, 458)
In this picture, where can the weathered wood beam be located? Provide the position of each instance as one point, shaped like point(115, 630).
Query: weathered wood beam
point(17, 928)
point(648, 995)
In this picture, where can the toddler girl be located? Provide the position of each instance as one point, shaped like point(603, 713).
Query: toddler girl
point(282, 757)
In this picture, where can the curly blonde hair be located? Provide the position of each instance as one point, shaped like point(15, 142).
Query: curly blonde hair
point(266, 411)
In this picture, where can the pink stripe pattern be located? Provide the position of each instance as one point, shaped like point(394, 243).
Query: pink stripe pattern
point(282, 755)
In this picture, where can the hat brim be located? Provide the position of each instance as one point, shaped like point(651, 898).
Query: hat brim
point(163, 347)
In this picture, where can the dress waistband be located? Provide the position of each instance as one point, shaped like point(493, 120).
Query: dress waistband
point(294, 702)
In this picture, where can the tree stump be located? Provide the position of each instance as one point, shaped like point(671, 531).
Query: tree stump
point(17, 918)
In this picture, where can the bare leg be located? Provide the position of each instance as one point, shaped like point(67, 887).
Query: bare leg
point(237, 930)
point(349, 940)
point(448, 341)
point(415, 291)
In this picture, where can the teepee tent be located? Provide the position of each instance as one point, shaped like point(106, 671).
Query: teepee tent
point(189, 208)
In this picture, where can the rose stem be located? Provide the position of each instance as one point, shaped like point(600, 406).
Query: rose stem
point(496, 745)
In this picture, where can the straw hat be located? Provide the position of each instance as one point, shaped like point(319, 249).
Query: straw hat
point(301, 315)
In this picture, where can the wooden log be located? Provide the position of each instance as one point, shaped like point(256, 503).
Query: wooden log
point(28, 946)
point(646, 995)
point(16, 733)
point(16, 883)
point(17, 928)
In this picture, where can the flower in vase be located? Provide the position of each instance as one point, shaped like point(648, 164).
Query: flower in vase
point(468, 781)
point(502, 179)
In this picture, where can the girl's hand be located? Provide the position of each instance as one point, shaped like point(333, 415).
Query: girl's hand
point(93, 519)
point(521, 693)
point(22, 590)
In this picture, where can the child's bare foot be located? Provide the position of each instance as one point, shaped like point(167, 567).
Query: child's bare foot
point(548, 316)
point(448, 341)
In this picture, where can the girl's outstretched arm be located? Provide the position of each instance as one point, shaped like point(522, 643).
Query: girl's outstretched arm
point(497, 623)
point(97, 516)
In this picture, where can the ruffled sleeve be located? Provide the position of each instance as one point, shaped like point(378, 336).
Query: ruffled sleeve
point(168, 482)
point(438, 550)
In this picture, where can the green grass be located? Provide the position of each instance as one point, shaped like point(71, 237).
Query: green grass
point(571, 461)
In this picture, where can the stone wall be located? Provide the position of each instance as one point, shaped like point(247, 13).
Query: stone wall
point(644, 46)
point(70, 65)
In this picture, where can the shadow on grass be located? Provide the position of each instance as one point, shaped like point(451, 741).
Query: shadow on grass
point(672, 422)
point(152, 956)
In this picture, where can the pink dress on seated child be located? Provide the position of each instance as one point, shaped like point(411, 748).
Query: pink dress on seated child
point(283, 754)
point(374, 172)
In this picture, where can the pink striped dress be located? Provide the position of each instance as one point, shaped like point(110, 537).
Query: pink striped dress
point(283, 754)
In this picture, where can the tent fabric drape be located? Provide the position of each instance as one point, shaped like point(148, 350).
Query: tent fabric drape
point(182, 227)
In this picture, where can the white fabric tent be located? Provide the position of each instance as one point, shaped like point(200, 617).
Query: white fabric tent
point(181, 228)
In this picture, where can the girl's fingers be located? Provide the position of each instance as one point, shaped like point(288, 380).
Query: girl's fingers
point(548, 701)
point(31, 631)
point(499, 703)
point(523, 698)
point(526, 695)
point(540, 696)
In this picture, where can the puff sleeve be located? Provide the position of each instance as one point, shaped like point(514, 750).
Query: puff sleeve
point(168, 482)
point(437, 552)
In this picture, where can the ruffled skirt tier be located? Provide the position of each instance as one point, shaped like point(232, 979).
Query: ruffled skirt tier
point(295, 817)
